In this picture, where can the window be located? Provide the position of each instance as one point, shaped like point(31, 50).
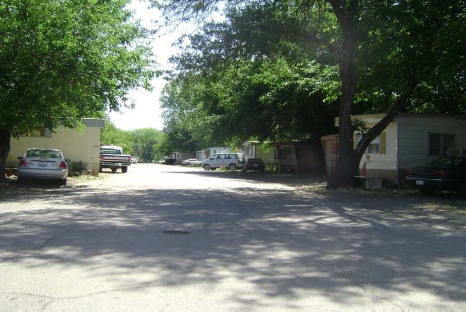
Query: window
point(377, 145)
point(284, 152)
point(440, 143)
point(109, 151)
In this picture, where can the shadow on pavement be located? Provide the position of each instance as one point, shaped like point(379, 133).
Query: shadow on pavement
point(280, 243)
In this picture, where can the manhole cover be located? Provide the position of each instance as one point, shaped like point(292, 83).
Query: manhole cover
point(176, 232)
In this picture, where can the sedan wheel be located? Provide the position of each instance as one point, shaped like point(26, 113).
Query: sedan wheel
point(206, 167)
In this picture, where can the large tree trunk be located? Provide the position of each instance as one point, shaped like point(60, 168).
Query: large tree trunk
point(345, 14)
point(5, 137)
point(347, 166)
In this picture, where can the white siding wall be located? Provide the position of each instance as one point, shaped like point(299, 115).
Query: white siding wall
point(388, 160)
point(414, 136)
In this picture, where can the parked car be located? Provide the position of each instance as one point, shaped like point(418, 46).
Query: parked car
point(112, 157)
point(226, 160)
point(446, 173)
point(43, 163)
point(254, 164)
point(191, 161)
point(169, 161)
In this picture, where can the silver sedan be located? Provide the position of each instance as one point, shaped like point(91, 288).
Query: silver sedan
point(43, 163)
point(191, 161)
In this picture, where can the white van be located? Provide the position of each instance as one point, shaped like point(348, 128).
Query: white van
point(227, 160)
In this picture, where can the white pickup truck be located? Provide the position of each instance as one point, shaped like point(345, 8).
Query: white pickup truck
point(112, 157)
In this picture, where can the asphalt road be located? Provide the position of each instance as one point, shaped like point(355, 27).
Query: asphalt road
point(170, 238)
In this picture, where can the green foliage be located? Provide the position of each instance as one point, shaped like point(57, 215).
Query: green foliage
point(61, 61)
point(111, 135)
point(147, 143)
point(237, 81)
point(392, 57)
point(414, 47)
point(76, 166)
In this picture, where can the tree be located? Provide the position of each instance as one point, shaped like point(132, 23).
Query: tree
point(61, 61)
point(111, 135)
point(264, 100)
point(147, 143)
point(232, 84)
point(393, 56)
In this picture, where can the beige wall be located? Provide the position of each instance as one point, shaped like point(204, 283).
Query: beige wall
point(76, 145)
point(330, 146)
point(387, 161)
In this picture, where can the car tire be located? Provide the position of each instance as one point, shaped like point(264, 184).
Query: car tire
point(426, 191)
point(232, 167)
point(100, 168)
point(63, 181)
point(114, 170)
point(206, 167)
point(124, 169)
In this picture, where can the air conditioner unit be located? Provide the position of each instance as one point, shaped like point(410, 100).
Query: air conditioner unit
point(456, 151)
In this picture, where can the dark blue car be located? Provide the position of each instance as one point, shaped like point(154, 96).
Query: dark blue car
point(446, 173)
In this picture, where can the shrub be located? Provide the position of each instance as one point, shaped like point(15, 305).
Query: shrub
point(76, 166)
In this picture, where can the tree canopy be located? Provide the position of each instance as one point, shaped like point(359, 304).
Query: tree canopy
point(61, 61)
point(145, 143)
point(232, 84)
point(370, 56)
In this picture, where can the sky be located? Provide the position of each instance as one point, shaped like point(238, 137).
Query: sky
point(147, 113)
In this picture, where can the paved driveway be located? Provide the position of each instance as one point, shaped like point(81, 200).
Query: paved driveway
point(174, 238)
